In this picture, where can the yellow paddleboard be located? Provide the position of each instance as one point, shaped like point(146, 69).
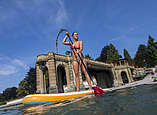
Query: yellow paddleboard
point(49, 98)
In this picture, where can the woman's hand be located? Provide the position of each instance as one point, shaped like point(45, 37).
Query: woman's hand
point(65, 38)
point(67, 33)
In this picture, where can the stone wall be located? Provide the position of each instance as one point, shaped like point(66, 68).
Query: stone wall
point(106, 75)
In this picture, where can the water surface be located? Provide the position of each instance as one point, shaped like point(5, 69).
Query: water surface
point(141, 100)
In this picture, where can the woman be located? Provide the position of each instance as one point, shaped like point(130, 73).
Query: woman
point(76, 60)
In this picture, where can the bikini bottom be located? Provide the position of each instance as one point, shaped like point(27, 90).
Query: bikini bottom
point(77, 60)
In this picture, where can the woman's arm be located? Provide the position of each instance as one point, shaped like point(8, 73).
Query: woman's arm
point(81, 46)
point(65, 38)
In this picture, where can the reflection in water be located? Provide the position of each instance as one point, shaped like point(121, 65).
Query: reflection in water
point(141, 100)
point(39, 109)
point(57, 107)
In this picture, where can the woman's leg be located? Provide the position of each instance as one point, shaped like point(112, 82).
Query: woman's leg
point(76, 70)
point(86, 73)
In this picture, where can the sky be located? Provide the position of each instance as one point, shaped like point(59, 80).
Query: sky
point(30, 27)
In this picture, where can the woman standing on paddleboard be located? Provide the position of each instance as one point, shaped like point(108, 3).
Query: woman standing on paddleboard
point(77, 47)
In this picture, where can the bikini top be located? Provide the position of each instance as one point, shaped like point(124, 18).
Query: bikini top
point(76, 45)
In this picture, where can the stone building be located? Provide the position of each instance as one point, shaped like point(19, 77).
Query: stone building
point(55, 74)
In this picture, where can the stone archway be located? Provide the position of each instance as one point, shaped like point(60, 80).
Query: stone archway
point(47, 83)
point(61, 78)
point(60, 71)
point(44, 77)
point(124, 77)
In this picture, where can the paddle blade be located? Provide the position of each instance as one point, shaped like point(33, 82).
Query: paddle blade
point(98, 91)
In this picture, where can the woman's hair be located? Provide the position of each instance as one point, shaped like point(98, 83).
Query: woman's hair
point(73, 33)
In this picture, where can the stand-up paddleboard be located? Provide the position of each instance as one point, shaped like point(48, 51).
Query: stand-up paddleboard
point(58, 97)
point(50, 98)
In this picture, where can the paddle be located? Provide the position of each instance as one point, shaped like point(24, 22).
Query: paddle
point(61, 30)
point(97, 90)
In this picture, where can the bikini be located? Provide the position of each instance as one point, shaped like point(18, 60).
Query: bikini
point(77, 46)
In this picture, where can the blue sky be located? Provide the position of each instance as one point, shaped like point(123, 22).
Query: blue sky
point(29, 28)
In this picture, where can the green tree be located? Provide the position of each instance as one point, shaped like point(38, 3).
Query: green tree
point(28, 85)
point(127, 56)
point(112, 54)
point(151, 52)
point(87, 56)
point(9, 93)
point(103, 54)
point(141, 56)
point(2, 98)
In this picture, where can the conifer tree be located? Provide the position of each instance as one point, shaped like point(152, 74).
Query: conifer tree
point(127, 56)
point(112, 54)
point(151, 53)
point(141, 56)
point(9, 93)
point(103, 54)
point(28, 84)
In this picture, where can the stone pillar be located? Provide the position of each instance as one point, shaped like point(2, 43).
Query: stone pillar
point(70, 75)
point(81, 81)
point(67, 73)
point(130, 75)
point(119, 78)
point(37, 79)
point(67, 69)
point(115, 77)
point(42, 83)
point(52, 73)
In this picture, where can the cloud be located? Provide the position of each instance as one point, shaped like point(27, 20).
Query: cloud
point(11, 66)
point(20, 63)
point(118, 38)
point(7, 70)
point(123, 36)
point(35, 16)
point(61, 16)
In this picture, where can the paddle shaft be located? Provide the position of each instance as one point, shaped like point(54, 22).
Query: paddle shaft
point(81, 61)
point(61, 30)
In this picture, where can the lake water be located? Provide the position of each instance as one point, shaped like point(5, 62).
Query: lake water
point(141, 100)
